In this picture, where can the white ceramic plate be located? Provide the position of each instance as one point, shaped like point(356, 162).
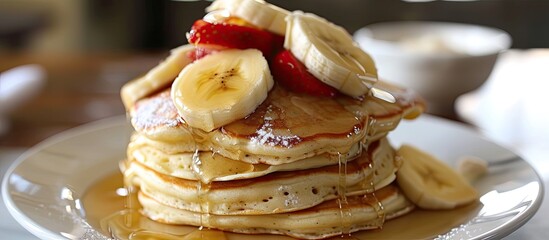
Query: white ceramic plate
point(43, 188)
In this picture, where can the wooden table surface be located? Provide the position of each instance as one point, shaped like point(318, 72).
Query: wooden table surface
point(78, 89)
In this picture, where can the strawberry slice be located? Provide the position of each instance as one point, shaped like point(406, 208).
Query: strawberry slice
point(278, 43)
point(203, 50)
point(231, 36)
point(292, 74)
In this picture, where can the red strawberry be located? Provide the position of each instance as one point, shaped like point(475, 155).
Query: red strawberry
point(231, 36)
point(278, 43)
point(292, 74)
point(203, 50)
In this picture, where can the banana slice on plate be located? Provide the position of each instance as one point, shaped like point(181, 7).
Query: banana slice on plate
point(329, 53)
point(158, 77)
point(430, 183)
point(221, 87)
point(256, 12)
point(472, 168)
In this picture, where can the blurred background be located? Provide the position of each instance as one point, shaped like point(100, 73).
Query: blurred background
point(149, 25)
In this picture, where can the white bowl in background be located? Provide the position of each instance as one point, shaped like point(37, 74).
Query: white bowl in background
point(439, 60)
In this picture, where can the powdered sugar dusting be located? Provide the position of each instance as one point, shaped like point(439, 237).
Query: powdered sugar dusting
point(155, 112)
point(265, 135)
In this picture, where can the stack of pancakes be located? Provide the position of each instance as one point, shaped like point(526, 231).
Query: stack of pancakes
point(300, 165)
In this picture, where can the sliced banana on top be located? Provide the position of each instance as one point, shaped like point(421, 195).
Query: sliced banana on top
point(256, 12)
point(329, 53)
point(221, 87)
point(430, 183)
point(158, 77)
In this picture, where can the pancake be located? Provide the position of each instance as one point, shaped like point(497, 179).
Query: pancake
point(183, 165)
point(277, 192)
point(140, 141)
point(322, 221)
point(286, 127)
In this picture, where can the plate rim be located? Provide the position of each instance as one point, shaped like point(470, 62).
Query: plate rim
point(27, 223)
point(42, 232)
point(519, 220)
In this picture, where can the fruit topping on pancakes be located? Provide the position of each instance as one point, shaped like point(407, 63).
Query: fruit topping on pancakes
point(221, 88)
point(292, 74)
point(257, 12)
point(231, 36)
point(330, 54)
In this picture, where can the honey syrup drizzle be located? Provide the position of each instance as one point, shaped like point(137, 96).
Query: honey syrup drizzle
point(344, 208)
point(202, 190)
point(370, 197)
point(368, 184)
point(369, 181)
point(203, 185)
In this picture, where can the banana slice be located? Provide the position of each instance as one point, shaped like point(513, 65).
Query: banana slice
point(158, 77)
point(221, 87)
point(430, 183)
point(472, 168)
point(256, 12)
point(329, 53)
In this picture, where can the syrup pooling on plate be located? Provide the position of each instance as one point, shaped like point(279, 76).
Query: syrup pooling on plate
point(120, 217)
